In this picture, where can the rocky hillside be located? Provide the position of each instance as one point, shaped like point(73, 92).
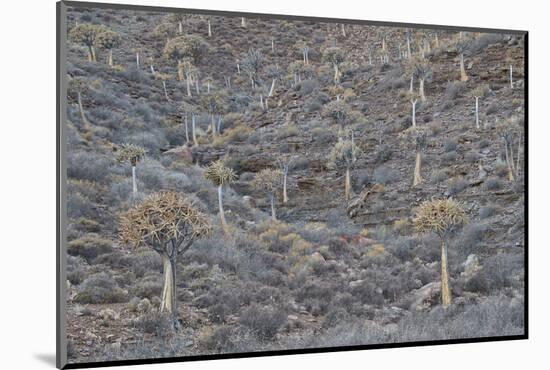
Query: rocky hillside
point(331, 270)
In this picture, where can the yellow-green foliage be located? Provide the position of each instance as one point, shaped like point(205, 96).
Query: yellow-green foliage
point(439, 216)
point(219, 174)
point(235, 134)
point(130, 153)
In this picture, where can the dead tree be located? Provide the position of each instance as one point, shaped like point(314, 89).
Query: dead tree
point(169, 224)
point(441, 217)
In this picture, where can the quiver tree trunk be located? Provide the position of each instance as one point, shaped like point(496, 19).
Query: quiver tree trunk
point(272, 87)
point(477, 112)
point(463, 75)
point(180, 27)
point(180, 71)
point(186, 129)
point(272, 201)
point(343, 30)
point(511, 80)
point(137, 60)
point(165, 91)
point(509, 161)
point(134, 181)
point(417, 178)
point(194, 131)
point(445, 287)
point(220, 204)
point(197, 88)
point(408, 47)
point(336, 74)
point(243, 22)
point(411, 86)
point(85, 121)
point(110, 59)
point(209, 29)
point(285, 179)
point(421, 89)
point(213, 124)
point(347, 185)
point(90, 53)
point(413, 103)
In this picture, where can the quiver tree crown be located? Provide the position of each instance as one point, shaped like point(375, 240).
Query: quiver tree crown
point(417, 137)
point(267, 180)
point(86, 33)
point(212, 103)
point(107, 39)
point(337, 110)
point(334, 55)
point(189, 46)
point(161, 218)
point(439, 216)
point(130, 153)
point(344, 152)
point(219, 174)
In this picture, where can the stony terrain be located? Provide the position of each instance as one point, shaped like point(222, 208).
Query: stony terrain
point(329, 271)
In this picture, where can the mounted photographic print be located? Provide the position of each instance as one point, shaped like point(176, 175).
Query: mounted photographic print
point(237, 184)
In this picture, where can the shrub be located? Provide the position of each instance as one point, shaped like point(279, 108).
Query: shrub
point(100, 288)
point(385, 175)
point(449, 157)
point(439, 175)
point(469, 239)
point(493, 183)
point(384, 153)
point(498, 272)
point(450, 145)
point(87, 165)
point(148, 287)
point(472, 157)
point(456, 185)
point(89, 247)
point(265, 322)
point(488, 211)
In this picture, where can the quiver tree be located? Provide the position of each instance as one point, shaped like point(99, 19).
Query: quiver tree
point(338, 111)
point(169, 224)
point(422, 72)
point(511, 133)
point(252, 64)
point(108, 40)
point(86, 35)
point(304, 48)
point(220, 175)
point(344, 154)
point(285, 163)
point(275, 73)
point(132, 154)
point(335, 56)
point(413, 99)
point(165, 32)
point(268, 181)
point(78, 85)
point(441, 217)
point(190, 49)
point(213, 104)
point(478, 93)
point(461, 49)
point(416, 137)
point(178, 18)
point(186, 70)
point(408, 35)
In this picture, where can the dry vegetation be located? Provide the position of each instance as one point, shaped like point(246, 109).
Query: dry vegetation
point(246, 184)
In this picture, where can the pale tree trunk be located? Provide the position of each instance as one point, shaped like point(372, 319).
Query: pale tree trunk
point(509, 163)
point(134, 182)
point(477, 112)
point(152, 69)
point(408, 48)
point(343, 30)
point(238, 69)
point(186, 129)
point(85, 121)
point(213, 125)
point(384, 44)
point(411, 87)
point(413, 103)
point(519, 151)
point(511, 79)
point(220, 204)
point(272, 46)
point(445, 287)
point(417, 178)
point(94, 57)
point(209, 29)
point(272, 200)
point(165, 91)
point(208, 87)
point(421, 90)
point(336, 74)
point(180, 71)
point(168, 297)
point(110, 60)
point(272, 87)
point(347, 185)
point(436, 41)
point(219, 128)
point(180, 27)
point(463, 75)
point(197, 86)
point(243, 22)
point(188, 84)
point(137, 60)
point(285, 177)
point(193, 129)
point(90, 54)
